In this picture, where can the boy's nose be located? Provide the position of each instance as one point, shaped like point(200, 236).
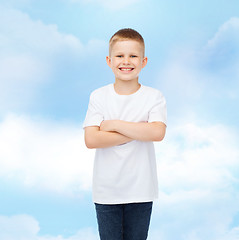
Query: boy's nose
point(126, 60)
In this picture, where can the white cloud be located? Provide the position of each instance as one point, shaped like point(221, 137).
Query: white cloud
point(45, 155)
point(14, 3)
point(198, 180)
point(226, 37)
point(83, 234)
point(21, 33)
point(21, 227)
point(221, 54)
point(231, 235)
point(204, 81)
point(205, 155)
point(108, 4)
point(31, 52)
point(25, 227)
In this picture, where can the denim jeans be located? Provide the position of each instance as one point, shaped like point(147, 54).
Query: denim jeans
point(124, 221)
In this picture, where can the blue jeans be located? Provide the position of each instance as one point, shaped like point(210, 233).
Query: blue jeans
point(124, 221)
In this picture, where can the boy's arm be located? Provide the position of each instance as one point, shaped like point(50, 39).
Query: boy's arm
point(94, 138)
point(142, 131)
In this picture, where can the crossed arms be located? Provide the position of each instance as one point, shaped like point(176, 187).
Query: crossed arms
point(116, 132)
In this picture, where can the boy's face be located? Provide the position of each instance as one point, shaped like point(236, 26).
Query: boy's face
point(126, 59)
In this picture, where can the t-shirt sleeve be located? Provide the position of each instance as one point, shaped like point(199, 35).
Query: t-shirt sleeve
point(94, 115)
point(158, 112)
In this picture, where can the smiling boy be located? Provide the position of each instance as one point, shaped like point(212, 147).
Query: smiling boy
point(122, 122)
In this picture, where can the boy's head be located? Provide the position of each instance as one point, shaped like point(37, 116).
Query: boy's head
point(126, 34)
point(126, 54)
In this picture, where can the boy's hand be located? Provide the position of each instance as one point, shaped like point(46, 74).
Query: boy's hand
point(108, 125)
point(94, 138)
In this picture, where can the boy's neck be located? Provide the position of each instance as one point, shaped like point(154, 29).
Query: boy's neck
point(126, 87)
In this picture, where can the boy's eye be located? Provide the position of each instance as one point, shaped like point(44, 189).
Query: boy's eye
point(119, 56)
point(133, 56)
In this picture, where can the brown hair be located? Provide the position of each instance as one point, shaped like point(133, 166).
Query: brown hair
point(126, 34)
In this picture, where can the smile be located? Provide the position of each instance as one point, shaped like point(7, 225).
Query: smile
point(126, 69)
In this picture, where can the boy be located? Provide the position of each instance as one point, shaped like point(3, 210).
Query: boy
point(122, 121)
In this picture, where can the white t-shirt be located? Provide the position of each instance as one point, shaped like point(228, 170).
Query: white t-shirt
point(126, 173)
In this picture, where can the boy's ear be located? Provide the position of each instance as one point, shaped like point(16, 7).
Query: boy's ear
point(144, 63)
point(108, 60)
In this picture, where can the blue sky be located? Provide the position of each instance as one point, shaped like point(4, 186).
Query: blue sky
point(52, 55)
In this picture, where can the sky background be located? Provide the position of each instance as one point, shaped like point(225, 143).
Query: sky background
point(52, 55)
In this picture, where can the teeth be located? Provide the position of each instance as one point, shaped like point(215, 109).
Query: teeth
point(126, 69)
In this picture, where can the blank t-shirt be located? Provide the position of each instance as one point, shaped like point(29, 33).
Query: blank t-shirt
point(125, 173)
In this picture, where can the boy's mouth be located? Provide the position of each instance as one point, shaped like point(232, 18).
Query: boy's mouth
point(124, 69)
